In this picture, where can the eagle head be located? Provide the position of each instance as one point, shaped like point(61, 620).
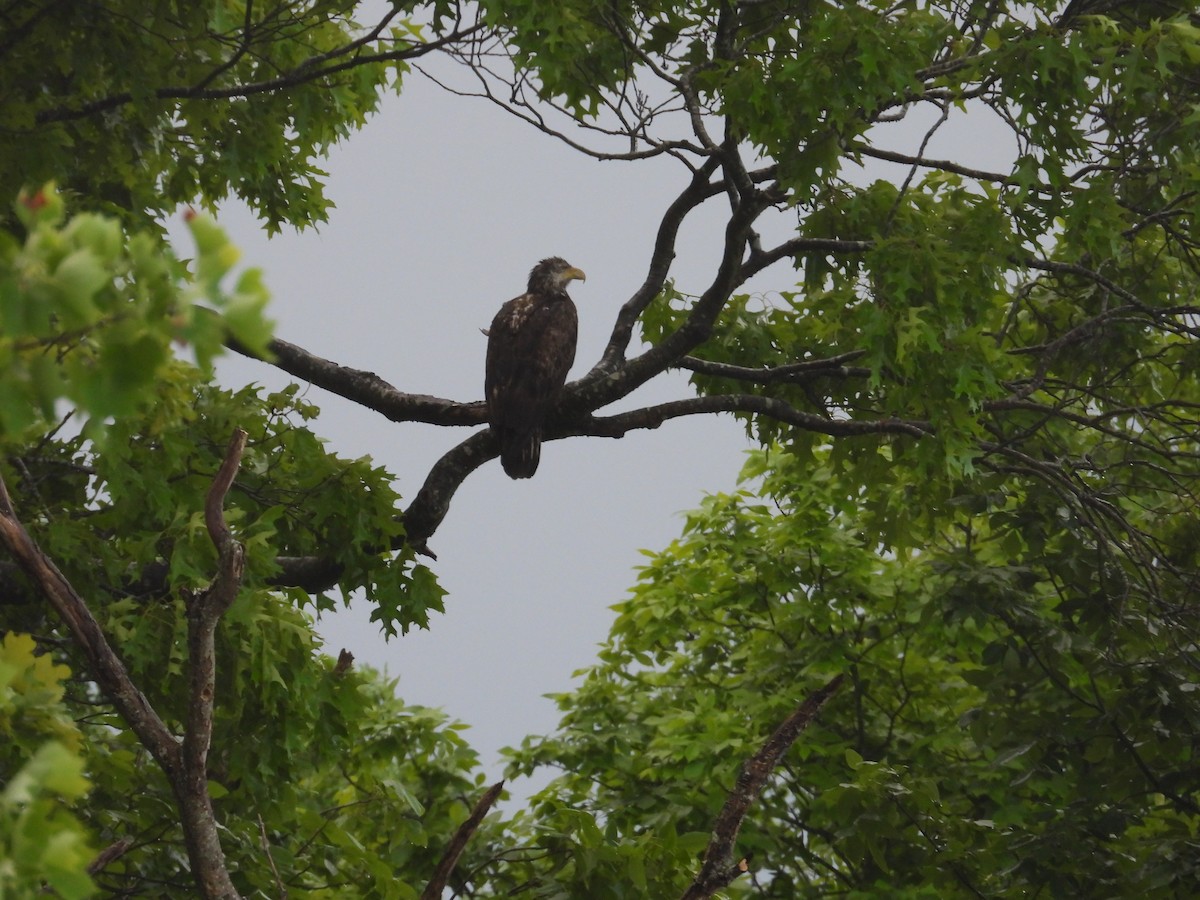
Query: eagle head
point(551, 276)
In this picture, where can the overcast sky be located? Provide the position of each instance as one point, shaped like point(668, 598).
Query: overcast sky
point(443, 206)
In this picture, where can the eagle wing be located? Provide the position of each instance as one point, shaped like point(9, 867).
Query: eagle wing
point(531, 346)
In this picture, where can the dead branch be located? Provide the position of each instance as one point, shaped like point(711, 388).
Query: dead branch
point(719, 868)
point(204, 612)
point(437, 884)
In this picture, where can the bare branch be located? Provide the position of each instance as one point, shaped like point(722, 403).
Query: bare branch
point(432, 502)
point(698, 190)
point(204, 612)
point(519, 109)
point(719, 868)
point(652, 416)
point(437, 884)
point(604, 383)
point(366, 388)
point(943, 165)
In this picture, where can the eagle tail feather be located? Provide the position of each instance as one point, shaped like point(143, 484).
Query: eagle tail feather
point(520, 452)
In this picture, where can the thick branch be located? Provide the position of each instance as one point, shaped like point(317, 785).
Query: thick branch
point(429, 508)
point(437, 884)
point(718, 868)
point(432, 502)
point(366, 388)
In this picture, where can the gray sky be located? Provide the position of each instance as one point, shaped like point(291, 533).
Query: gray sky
point(443, 206)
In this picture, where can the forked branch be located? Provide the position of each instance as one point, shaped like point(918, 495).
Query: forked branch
point(204, 611)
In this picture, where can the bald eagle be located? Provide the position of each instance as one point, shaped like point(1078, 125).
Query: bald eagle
point(531, 346)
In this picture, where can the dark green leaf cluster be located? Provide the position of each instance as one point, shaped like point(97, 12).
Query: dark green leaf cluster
point(119, 513)
point(136, 108)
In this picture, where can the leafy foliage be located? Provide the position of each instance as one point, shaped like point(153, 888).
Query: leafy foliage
point(136, 109)
point(90, 314)
point(41, 842)
point(1015, 723)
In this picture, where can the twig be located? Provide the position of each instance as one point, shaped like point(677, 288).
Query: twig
point(280, 888)
point(458, 843)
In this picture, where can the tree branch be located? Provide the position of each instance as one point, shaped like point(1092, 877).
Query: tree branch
point(432, 502)
point(943, 165)
point(791, 373)
point(204, 612)
point(698, 190)
point(652, 416)
point(437, 884)
point(761, 259)
point(184, 766)
point(718, 868)
point(607, 382)
point(103, 663)
point(307, 71)
point(366, 388)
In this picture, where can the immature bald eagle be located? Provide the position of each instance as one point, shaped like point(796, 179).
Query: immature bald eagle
point(531, 346)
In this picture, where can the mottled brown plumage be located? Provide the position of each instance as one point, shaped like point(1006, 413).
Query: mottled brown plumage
point(531, 346)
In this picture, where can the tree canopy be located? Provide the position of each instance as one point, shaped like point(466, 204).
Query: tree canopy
point(941, 642)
